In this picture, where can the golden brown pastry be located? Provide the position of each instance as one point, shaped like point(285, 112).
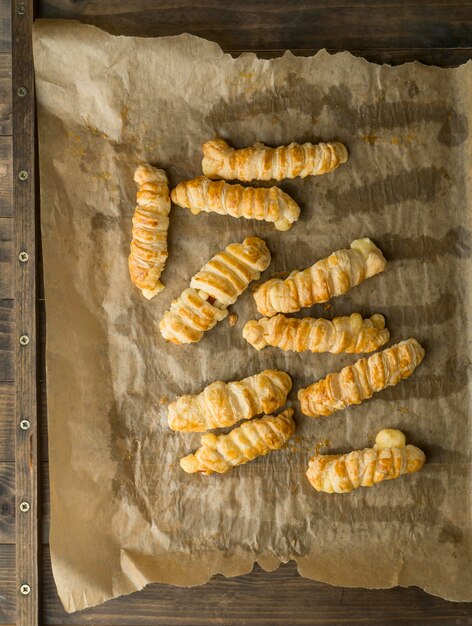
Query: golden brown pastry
point(324, 280)
point(349, 334)
point(389, 458)
point(358, 382)
point(257, 203)
point(259, 162)
point(149, 236)
point(217, 285)
point(223, 404)
point(219, 453)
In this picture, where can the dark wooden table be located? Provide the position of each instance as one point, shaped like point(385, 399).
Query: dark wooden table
point(437, 32)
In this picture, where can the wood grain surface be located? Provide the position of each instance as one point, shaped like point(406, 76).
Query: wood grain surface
point(25, 234)
point(434, 32)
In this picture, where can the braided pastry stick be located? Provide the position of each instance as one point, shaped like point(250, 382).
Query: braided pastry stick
point(257, 203)
point(358, 382)
point(350, 334)
point(219, 453)
point(389, 458)
point(324, 280)
point(217, 285)
point(259, 162)
point(149, 236)
point(223, 404)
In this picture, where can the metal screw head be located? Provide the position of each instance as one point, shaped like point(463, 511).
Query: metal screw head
point(24, 340)
point(23, 175)
point(22, 91)
point(25, 424)
point(23, 256)
point(24, 506)
point(25, 589)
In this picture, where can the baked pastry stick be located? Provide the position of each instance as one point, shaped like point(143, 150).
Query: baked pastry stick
point(223, 404)
point(350, 334)
point(257, 203)
point(259, 162)
point(149, 236)
point(327, 278)
point(389, 458)
point(217, 285)
point(358, 382)
point(219, 453)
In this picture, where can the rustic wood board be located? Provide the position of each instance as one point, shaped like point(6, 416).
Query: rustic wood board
point(395, 31)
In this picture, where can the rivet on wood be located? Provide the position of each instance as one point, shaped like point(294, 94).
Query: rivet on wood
point(20, 8)
point(22, 91)
point(23, 175)
point(23, 256)
point(24, 506)
point(24, 340)
point(25, 424)
point(25, 589)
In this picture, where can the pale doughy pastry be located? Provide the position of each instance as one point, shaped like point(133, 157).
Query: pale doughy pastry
point(358, 382)
point(388, 459)
point(217, 285)
point(259, 162)
point(327, 278)
point(350, 334)
point(220, 453)
point(149, 235)
point(257, 203)
point(223, 404)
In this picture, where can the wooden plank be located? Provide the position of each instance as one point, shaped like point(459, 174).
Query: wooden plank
point(7, 429)
point(25, 293)
point(9, 340)
point(7, 331)
point(293, 24)
point(7, 503)
point(6, 247)
point(6, 179)
point(5, 27)
point(8, 510)
point(7, 425)
point(258, 599)
point(5, 94)
point(7, 585)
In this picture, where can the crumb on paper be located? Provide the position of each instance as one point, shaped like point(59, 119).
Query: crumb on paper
point(370, 139)
point(325, 443)
point(281, 274)
point(327, 307)
point(163, 400)
point(232, 319)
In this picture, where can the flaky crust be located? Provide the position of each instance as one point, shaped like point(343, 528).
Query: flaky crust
point(258, 203)
point(358, 382)
point(259, 162)
point(350, 334)
point(342, 473)
point(149, 235)
point(217, 285)
point(219, 453)
point(223, 404)
point(327, 278)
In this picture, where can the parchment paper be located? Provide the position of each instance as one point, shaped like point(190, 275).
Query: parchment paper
point(123, 513)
